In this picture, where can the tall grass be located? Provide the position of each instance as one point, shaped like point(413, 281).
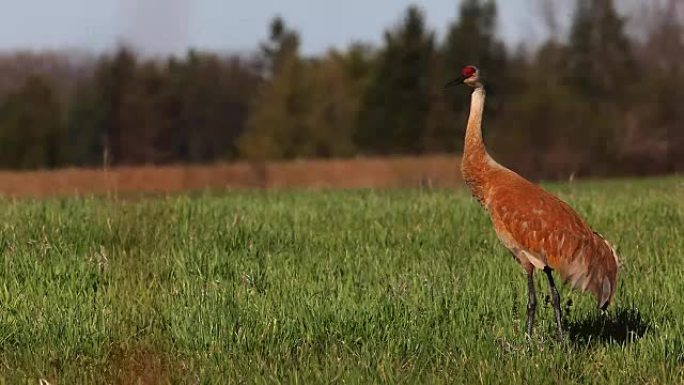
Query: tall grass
point(319, 287)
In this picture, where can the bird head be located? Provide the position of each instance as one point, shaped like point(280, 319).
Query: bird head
point(470, 75)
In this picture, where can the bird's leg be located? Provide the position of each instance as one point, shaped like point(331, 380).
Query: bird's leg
point(531, 302)
point(555, 300)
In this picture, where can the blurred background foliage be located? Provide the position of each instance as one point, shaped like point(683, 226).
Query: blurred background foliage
point(602, 99)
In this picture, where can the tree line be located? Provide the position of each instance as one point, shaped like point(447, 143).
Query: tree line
point(599, 100)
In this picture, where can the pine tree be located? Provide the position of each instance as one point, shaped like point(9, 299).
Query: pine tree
point(276, 124)
point(114, 78)
point(395, 106)
point(31, 126)
point(600, 62)
point(600, 69)
point(85, 137)
point(205, 104)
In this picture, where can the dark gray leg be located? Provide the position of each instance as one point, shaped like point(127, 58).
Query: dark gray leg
point(556, 301)
point(531, 302)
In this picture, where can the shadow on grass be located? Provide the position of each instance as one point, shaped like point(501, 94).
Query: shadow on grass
point(623, 326)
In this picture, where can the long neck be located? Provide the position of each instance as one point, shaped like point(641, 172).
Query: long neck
point(476, 163)
point(474, 146)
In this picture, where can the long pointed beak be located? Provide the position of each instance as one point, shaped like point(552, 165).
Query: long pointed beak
point(455, 82)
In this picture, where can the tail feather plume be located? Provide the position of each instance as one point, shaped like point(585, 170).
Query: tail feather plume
point(592, 267)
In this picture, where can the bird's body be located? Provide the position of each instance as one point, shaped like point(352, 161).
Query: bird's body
point(541, 231)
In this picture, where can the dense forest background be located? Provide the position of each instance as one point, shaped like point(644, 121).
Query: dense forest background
point(605, 98)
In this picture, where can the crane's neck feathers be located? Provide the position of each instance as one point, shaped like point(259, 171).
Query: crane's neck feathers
point(476, 162)
point(473, 141)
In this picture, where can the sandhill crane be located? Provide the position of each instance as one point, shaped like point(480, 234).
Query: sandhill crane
point(540, 230)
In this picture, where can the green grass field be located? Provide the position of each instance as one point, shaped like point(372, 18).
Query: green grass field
point(328, 287)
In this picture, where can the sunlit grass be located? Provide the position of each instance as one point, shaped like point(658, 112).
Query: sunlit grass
point(318, 287)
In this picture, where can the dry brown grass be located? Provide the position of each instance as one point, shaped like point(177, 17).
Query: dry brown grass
point(400, 172)
point(140, 365)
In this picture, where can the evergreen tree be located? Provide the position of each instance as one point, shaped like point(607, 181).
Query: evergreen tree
point(85, 137)
point(280, 46)
point(601, 69)
point(395, 106)
point(658, 142)
point(277, 124)
point(114, 78)
point(600, 62)
point(337, 84)
point(205, 107)
point(31, 126)
point(141, 118)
